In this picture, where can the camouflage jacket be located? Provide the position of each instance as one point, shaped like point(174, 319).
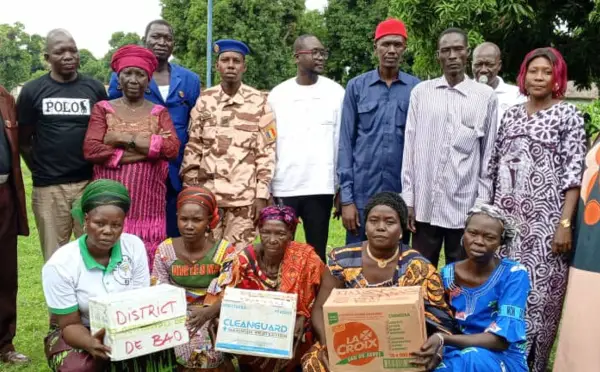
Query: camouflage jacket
point(231, 149)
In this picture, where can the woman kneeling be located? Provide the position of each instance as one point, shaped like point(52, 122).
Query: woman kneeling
point(381, 261)
point(103, 261)
point(278, 263)
point(488, 296)
point(193, 262)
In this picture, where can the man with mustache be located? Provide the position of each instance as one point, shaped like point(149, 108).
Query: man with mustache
point(308, 110)
point(175, 88)
point(231, 150)
point(372, 130)
point(13, 222)
point(53, 113)
point(487, 63)
point(450, 136)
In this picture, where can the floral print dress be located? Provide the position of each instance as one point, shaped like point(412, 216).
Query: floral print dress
point(536, 160)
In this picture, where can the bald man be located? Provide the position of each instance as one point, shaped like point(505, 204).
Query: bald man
point(53, 113)
point(487, 63)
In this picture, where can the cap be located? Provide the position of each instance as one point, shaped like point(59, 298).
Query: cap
point(230, 45)
point(391, 26)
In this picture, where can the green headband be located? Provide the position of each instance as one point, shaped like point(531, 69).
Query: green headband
point(98, 193)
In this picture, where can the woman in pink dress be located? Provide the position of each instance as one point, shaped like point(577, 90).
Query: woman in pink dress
point(131, 140)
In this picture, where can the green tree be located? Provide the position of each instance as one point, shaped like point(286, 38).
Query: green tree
point(35, 47)
point(351, 27)
point(313, 22)
point(269, 27)
point(14, 58)
point(517, 26)
point(119, 39)
point(95, 68)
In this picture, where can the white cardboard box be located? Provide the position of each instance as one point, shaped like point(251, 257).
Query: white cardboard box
point(146, 340)
point(259, 323)
point(141, 321)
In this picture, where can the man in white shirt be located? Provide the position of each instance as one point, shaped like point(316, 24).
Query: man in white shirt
point(487, 63)
point(307, 110)
point(449, 138)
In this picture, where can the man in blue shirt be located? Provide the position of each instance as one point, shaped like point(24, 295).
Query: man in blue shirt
point(177, 89)
point(372, 130)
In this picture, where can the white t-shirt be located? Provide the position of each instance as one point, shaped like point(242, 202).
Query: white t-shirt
point(71, 276)
point(508, 96)
point(308, 126)
point(164, 91)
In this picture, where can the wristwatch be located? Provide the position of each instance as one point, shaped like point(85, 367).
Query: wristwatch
point(566, 223)
point(131, 143)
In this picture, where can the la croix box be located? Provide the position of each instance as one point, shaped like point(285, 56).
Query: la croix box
point(374, 329)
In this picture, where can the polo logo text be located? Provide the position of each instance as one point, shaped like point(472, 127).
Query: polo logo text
point(66, 106)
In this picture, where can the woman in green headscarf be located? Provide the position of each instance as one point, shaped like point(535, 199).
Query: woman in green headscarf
point(104, 260)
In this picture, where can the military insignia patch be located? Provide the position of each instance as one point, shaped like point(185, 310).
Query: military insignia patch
point(216, 48)
point(270, 132)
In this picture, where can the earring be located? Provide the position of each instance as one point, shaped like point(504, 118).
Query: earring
point(119, 87)
point(148, 90)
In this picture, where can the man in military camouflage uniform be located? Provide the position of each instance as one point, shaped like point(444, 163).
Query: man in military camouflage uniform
point(231, 149)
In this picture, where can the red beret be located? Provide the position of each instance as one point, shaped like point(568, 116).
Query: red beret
point(134, 56)
point(391, 26)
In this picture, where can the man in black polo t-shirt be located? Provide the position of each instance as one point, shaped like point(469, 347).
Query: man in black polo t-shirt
point(53, 113)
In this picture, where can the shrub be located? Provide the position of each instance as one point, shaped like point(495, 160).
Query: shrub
point(591, 114)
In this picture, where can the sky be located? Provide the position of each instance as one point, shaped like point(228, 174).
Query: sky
point(92, 27)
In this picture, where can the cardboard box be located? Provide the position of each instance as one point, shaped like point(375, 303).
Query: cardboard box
point(374, 329)
point(146, 340)
point(141, 321)
point(259, 323)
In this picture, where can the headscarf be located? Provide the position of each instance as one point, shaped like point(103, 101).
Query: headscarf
point(98, 193)
point(510, 230)
point(134, 56)
point(203, 197)
point(284, 214)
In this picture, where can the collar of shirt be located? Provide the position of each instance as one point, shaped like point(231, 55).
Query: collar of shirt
point(239, 97)
point(502, 86)
point(173, 83)
point(462, 87)
point(90, 263)
point(375, 78)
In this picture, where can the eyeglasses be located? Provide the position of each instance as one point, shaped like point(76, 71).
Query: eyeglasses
point(315, 53)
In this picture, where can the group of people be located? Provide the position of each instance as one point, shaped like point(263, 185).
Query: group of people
point(161, 182)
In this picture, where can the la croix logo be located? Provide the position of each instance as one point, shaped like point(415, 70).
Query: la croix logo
point(355, 344)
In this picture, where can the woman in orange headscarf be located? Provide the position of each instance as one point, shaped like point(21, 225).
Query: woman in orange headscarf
point(131, 140)
point(194, 262)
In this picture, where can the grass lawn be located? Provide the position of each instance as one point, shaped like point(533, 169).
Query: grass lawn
point(32, 312)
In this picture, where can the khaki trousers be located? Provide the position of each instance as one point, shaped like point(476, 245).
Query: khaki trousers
point(52, 210)
point(236, 226)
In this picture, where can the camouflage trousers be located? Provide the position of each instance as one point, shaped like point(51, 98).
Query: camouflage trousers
point(236, 225)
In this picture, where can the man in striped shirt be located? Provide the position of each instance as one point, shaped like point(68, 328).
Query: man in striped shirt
point(450, 134)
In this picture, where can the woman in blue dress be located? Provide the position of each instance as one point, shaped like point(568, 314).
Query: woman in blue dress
point(488, 297)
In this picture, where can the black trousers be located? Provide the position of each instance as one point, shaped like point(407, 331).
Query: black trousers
point(8, 267)
point(315, 212)
point(428, 241)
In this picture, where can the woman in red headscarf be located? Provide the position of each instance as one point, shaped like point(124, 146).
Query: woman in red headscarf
point(193, 262)
point(277, 263)
point(131, 140)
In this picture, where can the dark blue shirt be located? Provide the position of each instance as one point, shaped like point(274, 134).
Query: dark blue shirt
point(184, 90)
point(372, 136)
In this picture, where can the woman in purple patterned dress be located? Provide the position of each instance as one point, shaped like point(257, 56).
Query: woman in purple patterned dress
point(536, 170)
